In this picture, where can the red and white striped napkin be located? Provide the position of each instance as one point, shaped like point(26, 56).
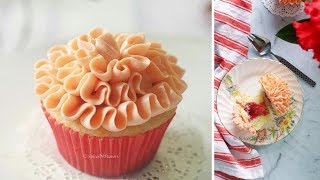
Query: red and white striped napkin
point(232, 159)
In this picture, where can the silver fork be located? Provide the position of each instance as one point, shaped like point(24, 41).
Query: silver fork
point(263, 46)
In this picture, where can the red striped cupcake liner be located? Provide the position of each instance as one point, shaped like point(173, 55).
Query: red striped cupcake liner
point(106, 156)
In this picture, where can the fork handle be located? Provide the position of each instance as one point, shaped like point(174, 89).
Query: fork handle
point(295, 70)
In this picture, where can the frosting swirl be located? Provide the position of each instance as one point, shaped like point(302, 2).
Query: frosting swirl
point(277, 91)
point(109, 80)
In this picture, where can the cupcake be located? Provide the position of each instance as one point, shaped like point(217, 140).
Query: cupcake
point(277, 91)
point(250, 113)
point(109, 99)
point(290, 1)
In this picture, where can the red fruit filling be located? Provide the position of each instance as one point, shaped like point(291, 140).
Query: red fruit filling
point(254, 110)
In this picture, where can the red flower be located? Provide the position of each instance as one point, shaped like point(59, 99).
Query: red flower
point(262, 133)
point(308, 32)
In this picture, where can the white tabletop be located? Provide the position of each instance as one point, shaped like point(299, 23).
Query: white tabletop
point(297, 156)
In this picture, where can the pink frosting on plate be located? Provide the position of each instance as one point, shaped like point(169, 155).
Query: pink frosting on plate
point(109, 80)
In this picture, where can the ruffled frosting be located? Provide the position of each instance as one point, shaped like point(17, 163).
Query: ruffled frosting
point(109, 80)
point(277, 91)
point(241, 118)
point(290, 1)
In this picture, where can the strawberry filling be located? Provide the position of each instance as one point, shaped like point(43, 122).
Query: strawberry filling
point(254, 110)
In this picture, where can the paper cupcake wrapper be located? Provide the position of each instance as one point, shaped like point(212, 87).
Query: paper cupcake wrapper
point(106, 156)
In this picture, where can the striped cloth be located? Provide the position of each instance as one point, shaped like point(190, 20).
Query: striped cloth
point(233, 160)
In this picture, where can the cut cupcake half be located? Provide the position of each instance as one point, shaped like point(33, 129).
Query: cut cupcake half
point(251, 113)
point(277, 91)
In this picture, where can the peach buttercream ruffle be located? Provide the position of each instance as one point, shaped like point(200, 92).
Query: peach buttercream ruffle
point(240, 118)
point(290, 1)
point(109, 80)
point(277, 91)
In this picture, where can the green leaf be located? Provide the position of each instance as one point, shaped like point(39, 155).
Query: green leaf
point(288, 129)
point(273, 134)
point(288, 33)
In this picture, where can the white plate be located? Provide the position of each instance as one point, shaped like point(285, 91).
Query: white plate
point(244, 78)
